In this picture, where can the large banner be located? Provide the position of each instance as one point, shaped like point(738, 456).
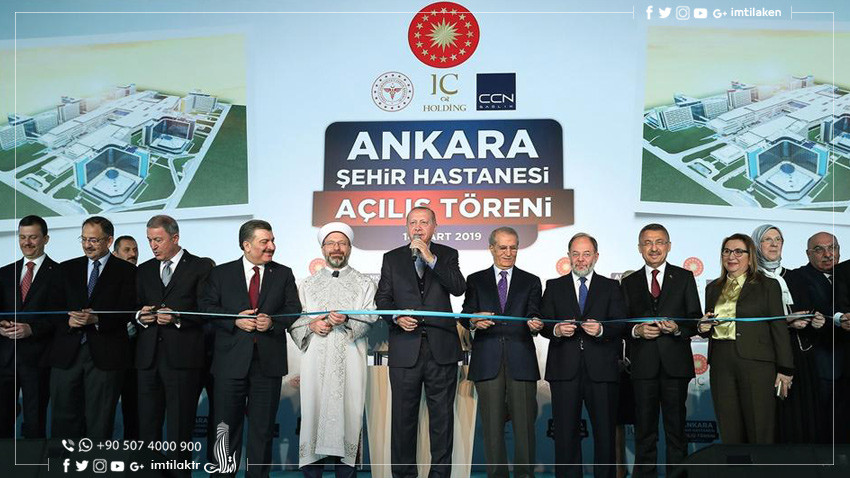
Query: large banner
point(552, 117)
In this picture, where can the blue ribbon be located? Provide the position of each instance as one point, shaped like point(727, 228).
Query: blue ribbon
point(424, 313)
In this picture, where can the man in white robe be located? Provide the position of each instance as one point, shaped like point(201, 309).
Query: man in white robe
point(333, 368)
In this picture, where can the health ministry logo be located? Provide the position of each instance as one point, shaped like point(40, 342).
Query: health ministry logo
point(392, 91)
point(443, 35)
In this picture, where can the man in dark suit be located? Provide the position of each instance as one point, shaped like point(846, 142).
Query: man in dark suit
point(582, 364)
point(250, 353)
point(504, 362)
point(28, 285)
point(661, 356)
point(841, 320)
point(424, 350)
point(170, 348)
point(91, 352)
point(812, 288)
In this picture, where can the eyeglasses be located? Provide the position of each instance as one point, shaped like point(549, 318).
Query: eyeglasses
point(735, 252)
point(658, 243)
point(92, 240)
point(819, 250)
point(773, 241)
point(585, 255)
point(334, 245)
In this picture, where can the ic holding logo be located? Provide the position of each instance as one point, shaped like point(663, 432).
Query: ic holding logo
point(496, 91)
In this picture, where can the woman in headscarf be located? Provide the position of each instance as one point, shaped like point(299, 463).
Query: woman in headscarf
point(796, 416)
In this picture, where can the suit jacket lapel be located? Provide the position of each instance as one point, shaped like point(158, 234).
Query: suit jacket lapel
point(18, 272)
point(105, 275)
point(266, 283)
point(665, 289)
point(572, 298)
point(38, 280)
point(513, 286)
point(591, 292)
point(179, 272)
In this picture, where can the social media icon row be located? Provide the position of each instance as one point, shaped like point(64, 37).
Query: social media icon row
point(97, 466)
point(682, 12)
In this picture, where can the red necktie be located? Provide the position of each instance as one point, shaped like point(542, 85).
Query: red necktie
point(27, 282)
point(656, 288)
point(254, 288)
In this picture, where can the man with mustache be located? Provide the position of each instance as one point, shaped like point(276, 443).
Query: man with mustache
point(334, 362)
point(91, 352)
point(582, 361)
point(661, 357)
point(27, 285)
point(127, 249)
point(250, 353)
point(812, 286)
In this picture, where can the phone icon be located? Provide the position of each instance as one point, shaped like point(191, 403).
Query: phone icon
point(68, 444)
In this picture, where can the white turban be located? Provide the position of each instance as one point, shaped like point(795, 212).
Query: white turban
point(335, 227)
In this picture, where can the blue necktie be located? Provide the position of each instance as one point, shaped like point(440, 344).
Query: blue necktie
point(582, 293)
point(95, 273)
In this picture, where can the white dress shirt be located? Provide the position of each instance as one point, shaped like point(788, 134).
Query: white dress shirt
point(249, 271)
point(102, 261)
point(498, 272)
point(38, 261)
point(174, 261)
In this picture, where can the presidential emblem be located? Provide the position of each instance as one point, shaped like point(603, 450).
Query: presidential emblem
point(700, 364)
point(443, 35)
point(563, 266)
point(694, 264)
point(392, 91)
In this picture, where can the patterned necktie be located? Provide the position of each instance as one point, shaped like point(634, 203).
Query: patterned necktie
point(95, 274)
point(166, 273)
point(503, 289)
point(420, 266)
point(254, 289)
point(26, 283)
point(582, 293)
point(656, 287)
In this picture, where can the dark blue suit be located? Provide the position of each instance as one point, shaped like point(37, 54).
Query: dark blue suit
point(504, 367)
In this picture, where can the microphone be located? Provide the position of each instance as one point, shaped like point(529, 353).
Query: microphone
point(414, 252)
